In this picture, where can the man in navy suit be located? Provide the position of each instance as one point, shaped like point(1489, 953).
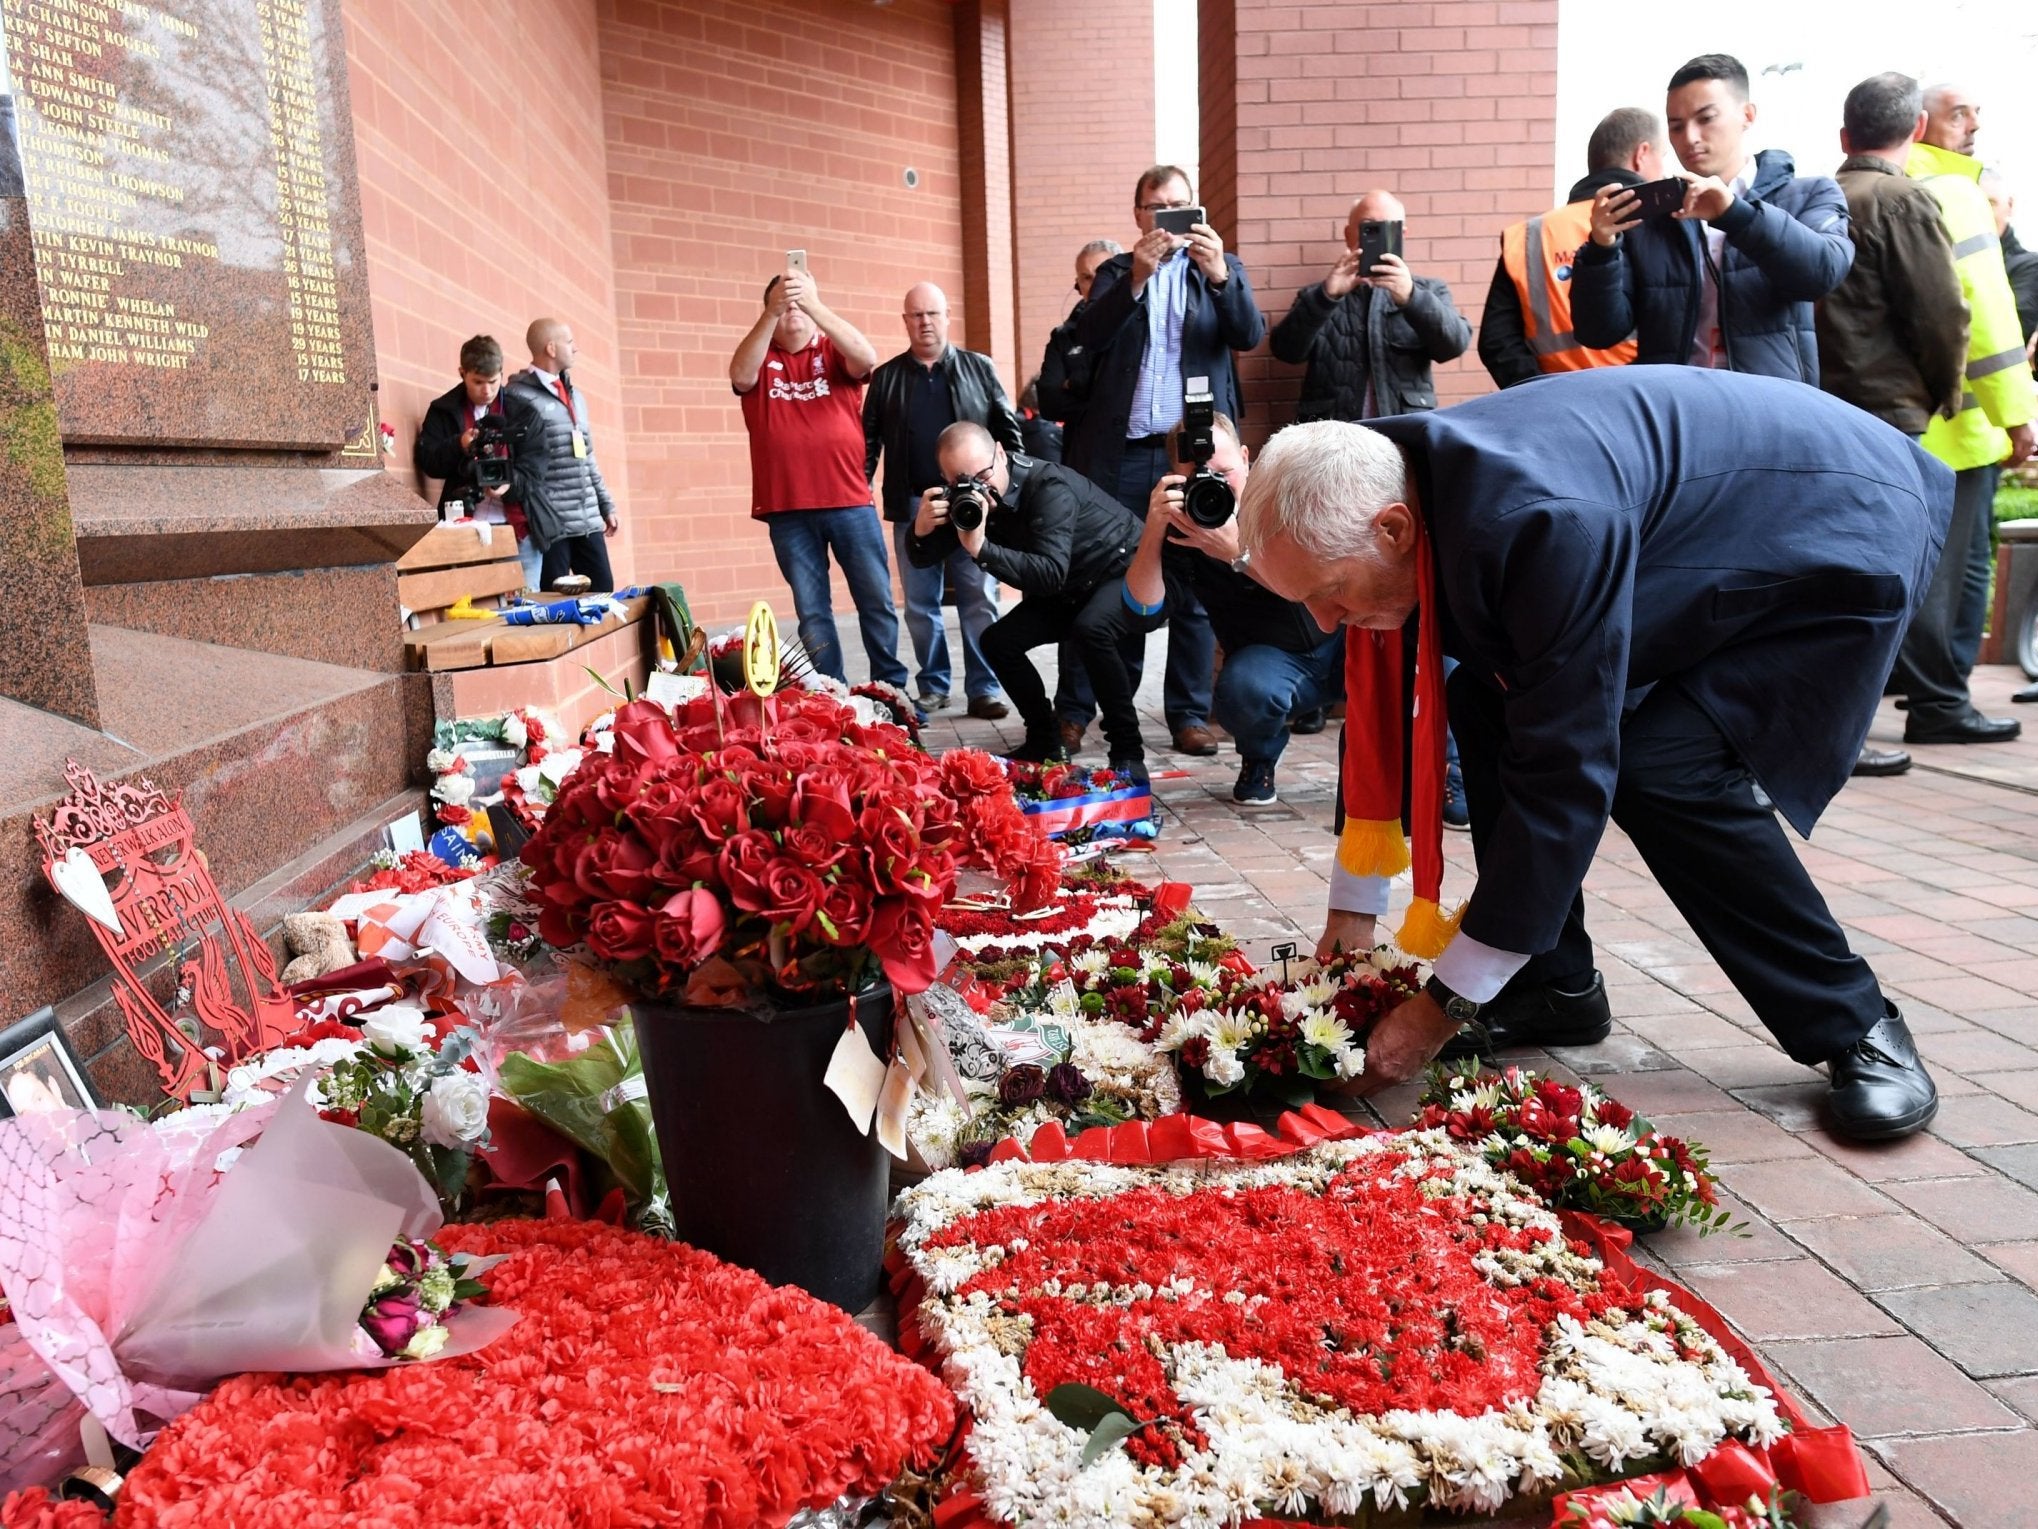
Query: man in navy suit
point(1662, 586)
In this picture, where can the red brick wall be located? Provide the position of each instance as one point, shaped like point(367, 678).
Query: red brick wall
point(1450, 105)
point(483, 213)
point(738, 129)
point(982, 31)
point(1082, 130)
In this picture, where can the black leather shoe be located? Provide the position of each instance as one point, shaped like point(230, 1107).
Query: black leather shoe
point(1972, 728)
point(1874, 761)
point(2028, 693)
point(1039, 748)
point(1307, 723)
point(1880, 1089)
point(1535, 1015)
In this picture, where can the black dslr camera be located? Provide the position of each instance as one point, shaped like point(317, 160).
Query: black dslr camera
point(494, 447)
point(1206, 498)
point(968, 503)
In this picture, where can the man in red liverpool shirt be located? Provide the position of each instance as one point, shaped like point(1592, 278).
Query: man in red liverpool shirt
point(799, 372)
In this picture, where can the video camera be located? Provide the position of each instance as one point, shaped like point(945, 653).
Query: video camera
point(493, 450)
point(1206, 498)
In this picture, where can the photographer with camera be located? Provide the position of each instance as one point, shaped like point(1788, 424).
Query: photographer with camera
point(1277, 661)
point(1063, 543)
point(464, 448)
point(1370, 331)
point(557, 483)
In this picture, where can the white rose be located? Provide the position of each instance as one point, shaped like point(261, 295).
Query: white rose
point(456, 1110)
point(1224, 1068)
point(396, 1028)
point(514, 733)
point(454, 790)
point(426, 1342)
point(439, 761)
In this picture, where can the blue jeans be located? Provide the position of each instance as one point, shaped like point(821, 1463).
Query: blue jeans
point(1973, 613)
point(924, 588)
point(1192, 646)
point(1261, 687)
point(801, 539)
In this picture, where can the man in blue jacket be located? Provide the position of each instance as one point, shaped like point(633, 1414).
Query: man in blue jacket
point(1727, 280)
point(1661, 587)
point(1173, 307)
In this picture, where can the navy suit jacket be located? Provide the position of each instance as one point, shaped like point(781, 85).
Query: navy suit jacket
point(1755, 540)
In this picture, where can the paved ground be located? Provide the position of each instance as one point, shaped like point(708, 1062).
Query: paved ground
point(1896, 1287)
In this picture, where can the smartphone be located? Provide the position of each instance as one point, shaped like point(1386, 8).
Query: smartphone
point(1179, 220)
point(1658, 199)
point(796, 260)
point(1377, 237)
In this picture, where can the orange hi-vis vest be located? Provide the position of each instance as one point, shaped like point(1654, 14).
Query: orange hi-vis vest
point(1546, 299)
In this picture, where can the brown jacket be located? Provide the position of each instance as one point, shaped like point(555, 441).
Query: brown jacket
point(1893, 335)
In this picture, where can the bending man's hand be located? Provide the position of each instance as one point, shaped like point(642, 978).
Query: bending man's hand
point(1347, 932)
point(1402, 1044)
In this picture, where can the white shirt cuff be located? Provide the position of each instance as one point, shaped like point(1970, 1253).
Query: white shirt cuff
point(1357, 894)
point(1475, 971)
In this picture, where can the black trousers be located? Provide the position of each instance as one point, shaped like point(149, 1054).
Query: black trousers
point(587, 554)
point(1095, 626)
point(1686, 800)
point(1930, 670)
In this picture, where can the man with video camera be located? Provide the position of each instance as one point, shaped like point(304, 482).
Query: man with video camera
point(1063, 543)
point(465, 443)
point(1277, 661)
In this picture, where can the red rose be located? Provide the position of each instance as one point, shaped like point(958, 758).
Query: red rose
point(561, 927)
point(822, 801)
point(690, 928)
point(770, 785)
point(615, 865)
point(791, 893)
point(902, 937)
point(721, 808)
point(644, 734)
point(663, 814)
point(743, 862)
point(892, 845)
point(619, 931)
point(686, 858)
point(812, 848)
point(845, 905)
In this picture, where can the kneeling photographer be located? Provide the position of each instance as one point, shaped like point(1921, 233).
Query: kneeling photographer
point(466, 443)
point(1277, 660)
point(1063, 543)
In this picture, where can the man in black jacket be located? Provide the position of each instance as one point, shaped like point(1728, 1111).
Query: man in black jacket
point(1728, 280)
point(1065, 364)
point(557, 484)
point(1369, 338)
point(446, 447)
point(1626, 149)
point(911, 399)
point(1062, 542)
point(1174, 307)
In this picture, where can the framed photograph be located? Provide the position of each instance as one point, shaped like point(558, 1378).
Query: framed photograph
point(37, 1070)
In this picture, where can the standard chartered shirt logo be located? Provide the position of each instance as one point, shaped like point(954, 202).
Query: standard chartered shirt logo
point(799, 392)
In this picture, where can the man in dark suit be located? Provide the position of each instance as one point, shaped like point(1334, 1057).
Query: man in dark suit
point(1662, 585)
point(1172, 308)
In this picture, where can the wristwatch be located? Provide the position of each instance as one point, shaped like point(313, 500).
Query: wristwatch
point(1457, 1008)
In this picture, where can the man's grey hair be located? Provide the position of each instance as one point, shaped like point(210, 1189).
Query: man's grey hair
point(1934, 95)
point(1320, 485)
point(1101, 247)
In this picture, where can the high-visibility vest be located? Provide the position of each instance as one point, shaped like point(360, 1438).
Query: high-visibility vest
point(1546, 297)
point(1999, 392)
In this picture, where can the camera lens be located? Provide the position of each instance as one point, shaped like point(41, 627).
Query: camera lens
point(1207, 499)
point(966, 507)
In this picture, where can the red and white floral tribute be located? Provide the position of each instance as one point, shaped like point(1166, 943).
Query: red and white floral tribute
point(1371, 1324)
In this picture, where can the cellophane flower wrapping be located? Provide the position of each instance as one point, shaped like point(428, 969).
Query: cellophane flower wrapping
point(143, 1261)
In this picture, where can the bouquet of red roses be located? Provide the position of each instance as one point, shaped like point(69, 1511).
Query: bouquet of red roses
point(784, 845)
point(1576, 1147)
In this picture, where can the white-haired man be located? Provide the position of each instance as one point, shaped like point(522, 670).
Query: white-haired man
point(1644, 627)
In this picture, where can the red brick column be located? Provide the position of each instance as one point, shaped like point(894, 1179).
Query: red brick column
point(1082, 124)
point(984, 132)
point(1450, 105)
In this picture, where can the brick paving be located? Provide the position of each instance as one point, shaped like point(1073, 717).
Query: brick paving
point(1895, 1286)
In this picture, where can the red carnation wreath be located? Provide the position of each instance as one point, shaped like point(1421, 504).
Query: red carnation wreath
point(647, 1383)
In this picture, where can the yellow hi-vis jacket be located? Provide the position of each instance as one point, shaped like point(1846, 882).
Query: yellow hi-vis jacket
point(1999, 391)
point(1549, 243)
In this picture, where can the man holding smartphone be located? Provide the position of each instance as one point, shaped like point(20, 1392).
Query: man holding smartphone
point(1726, 278)
point(1175, 306)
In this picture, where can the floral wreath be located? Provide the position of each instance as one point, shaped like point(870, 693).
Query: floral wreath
point(527, 731)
